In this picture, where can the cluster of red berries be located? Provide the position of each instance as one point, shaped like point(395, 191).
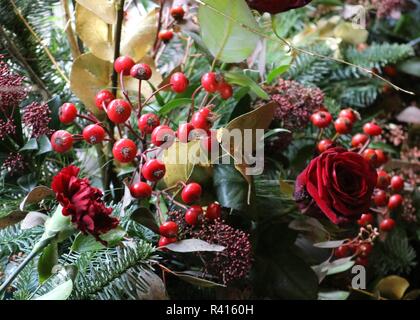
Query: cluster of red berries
point(361, 249)
point(193, 215)
point(177, 13)
point(160, 136)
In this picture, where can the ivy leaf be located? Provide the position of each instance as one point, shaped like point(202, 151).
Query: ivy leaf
point(62, 292)
point(227, 40)
point(47, 260)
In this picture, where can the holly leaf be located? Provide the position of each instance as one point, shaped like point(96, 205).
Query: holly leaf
point(226, 39)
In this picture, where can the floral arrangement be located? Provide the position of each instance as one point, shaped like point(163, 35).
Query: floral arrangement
point(184, 152)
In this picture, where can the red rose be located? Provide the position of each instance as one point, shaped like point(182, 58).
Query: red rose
point(83, 203)
point(276, 6)
point(338, 184)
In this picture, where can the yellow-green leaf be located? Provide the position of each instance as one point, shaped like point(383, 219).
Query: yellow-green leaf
point(392, 287)
point(89, 74)
point(104, 9)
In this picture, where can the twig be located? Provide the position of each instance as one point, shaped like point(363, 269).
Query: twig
point(71, 37)
point(47, 51)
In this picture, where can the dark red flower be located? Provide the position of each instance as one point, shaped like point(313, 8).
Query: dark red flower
point(276, 6)
point(338, 184)
point(82, 202)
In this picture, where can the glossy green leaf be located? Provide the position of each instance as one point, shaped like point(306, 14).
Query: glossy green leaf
point(146, 218)
point(231, 187)
point(47, 260)
point(226, 39)
point(173, 104)
point(243, 80)
point(278, 71)
point(44, 145)
point(32, 144)
point(87, 243)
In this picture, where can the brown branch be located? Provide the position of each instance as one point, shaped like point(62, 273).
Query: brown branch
point(71, 36)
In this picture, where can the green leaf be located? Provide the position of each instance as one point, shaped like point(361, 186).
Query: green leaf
point(88, 243)
point(275, 73)
point(410, 66)
point(62, 292)
point(227, 40)
point(243, 80)
point(333, 295)
point(194, 245)
point(231, 187)
point(44, 145)
point(27, 182)
point(47, 260)
point(173, 104)
point(146, 218)
point(32, 144)
point(284, 275)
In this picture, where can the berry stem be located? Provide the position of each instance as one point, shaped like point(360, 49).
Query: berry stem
point(321, 132)
point(139, 98)
point(81, 116)
point(335, 137)
point(156, 92)
point(190, 113)
point(365, 146)
point(159, 27)
point(128, 125)
point(121, 77)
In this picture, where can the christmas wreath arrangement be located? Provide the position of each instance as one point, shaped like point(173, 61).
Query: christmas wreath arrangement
point(209, 149)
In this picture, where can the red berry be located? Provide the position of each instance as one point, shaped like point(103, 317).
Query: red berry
point(67, 113)
point(94, 134)
point(123, 64)
point(103, 97)
point(381, 157)
point(148, 122)
point(371, 157)
point(372, 129)
point(387, 224)
point(324, 144)
point(124, 150)
point(390, 71)
point(200, 121)
point(383, 180)
point(342, 252)
point(192, 214)
point(169, 229)
point(179, 82)
point(184, 132)
point(211, 82)
point(365, 219)
point(225, 90)
point(380, 198)
point(141, 71)
point(163, 136)
point(343, 125)
point(349, 114)
point(395, 201)
point(141, 190)
point(205, 111)
point(358, 140)
point(214, 211)
point(119, 111)
point(321, 119)
point(397, 183)
point(61, 141)
point(364, 249)
point(163, 241)
point(166, 35)
point(177, 12)
point(191, 193)
point(361, 261)
point(153, 170)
